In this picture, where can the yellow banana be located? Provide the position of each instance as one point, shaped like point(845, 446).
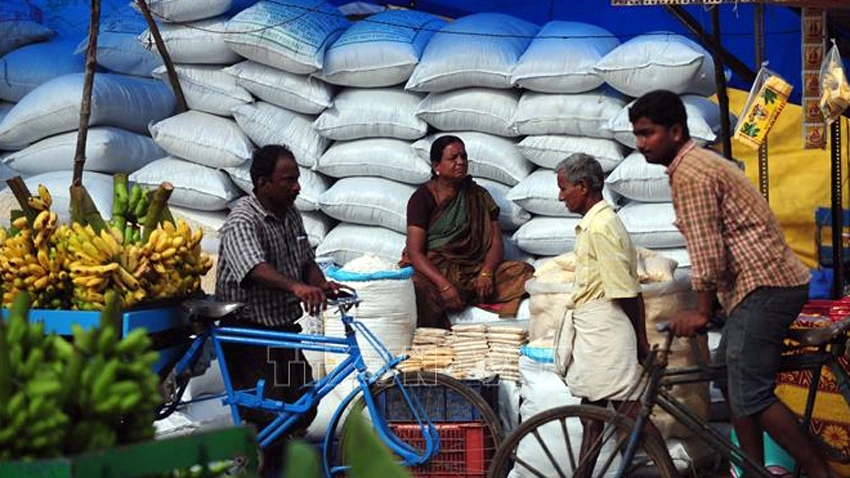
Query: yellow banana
point(41, 220)
point(44, 195)
point(41, 282)
point(20, 223)
point(177, 241)
point(102, 247)
point(168, 253)
point(126, 278)
point(36, 203)
point(43, 258)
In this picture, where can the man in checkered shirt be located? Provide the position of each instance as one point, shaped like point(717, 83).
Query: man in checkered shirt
point(266, 262)
point(739, 256)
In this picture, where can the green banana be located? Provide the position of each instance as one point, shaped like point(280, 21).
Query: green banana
point(106, 340)
point(5, 367)
point(134, 343)
point(135, 195)
point(101, 383)
point(43, 386)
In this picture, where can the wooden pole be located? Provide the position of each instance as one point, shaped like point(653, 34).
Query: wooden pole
point(88, 83)
point(166, 58)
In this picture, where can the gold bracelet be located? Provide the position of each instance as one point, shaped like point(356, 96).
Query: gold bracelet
point(485, 274)
point(443, 289)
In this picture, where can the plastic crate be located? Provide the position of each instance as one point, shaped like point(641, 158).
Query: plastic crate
point(440, 404)
point(465, 450)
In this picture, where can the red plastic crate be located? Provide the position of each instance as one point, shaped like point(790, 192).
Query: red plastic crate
point(465, 450)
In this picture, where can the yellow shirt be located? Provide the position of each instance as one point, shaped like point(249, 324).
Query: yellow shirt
point(606, 259)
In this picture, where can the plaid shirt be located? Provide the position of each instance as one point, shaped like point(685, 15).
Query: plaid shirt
point(734, 240)
point(250, 236)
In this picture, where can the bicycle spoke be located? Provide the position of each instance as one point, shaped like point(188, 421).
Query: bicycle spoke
point(568, 441)
point(548, 453)
point(527, 466)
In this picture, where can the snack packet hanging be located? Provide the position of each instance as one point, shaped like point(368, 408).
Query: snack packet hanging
point(835, 91)
point(765, 102)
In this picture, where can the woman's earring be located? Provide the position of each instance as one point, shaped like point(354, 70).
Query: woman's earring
point(437, 173)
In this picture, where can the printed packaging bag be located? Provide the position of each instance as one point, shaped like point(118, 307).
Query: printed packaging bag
point(764, 104)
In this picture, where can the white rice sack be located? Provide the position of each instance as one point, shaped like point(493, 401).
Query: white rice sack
point(118, 49)
point(490, 157)
point(549, 150)
point(207, 88)
point(347, 242)
point(99, 187)
point(28, 67)
point(368, 201)
point(381, 50)
point(291, 36)
point(547, 236)
point(317, 226)
point(313, 185)
point(200, 42)
point(476, 109)
point(538, 194)
point(195, 186)
point(511, 216)
point(703, 122)
point(655, 61)
point(20, 25)
point(382, 157)
point(204, 139)
point(477, 50)
point(512, 252)
point(267, 124)
point(54, 107)
point(561, 57)
point(302, 94)
point(108, 150)
point(175, 11)
point(651, 225)
point(5, 108)
point(678, 254)
point(638, 180)
point(369, 113)
point(580, 114)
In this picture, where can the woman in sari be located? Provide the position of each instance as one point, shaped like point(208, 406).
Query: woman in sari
point(454, 243)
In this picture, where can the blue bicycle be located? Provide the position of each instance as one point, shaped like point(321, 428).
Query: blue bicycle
point(371, 398)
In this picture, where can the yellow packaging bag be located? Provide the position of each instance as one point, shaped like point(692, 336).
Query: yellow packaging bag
point(766, 100)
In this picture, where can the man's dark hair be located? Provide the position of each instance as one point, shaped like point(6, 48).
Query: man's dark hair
point(662, 107)
point(439, 145)
point(264, 160)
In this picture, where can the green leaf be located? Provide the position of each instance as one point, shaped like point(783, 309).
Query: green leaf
point(369, 457)
point(769, 96)
point(301, 461)
point(750, 129)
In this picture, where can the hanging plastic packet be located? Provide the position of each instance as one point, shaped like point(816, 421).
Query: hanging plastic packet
point(835, 91)
point(767, 98)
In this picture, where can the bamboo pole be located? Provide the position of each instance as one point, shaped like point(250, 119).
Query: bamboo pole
point(166, 58)
point(159, 202)
point(85, 107)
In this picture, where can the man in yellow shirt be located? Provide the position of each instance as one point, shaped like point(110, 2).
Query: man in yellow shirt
point(603, 336)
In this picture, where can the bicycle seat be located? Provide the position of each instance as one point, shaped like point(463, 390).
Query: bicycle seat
point(820, 335)
point(210, 309)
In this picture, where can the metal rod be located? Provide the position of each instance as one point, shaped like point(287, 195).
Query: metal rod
point(837, 213)
point(763, 165)
point(720, 82)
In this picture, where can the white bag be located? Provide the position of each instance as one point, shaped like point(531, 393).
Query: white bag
point(29, 66)
point(561, 57)
point(199, 42)
point(108, 150)
point(207, 88)
point(267, 124)
point(302, 94)
point(350, 241)
point(547, 236)
point(118, 49)
point(549, 150)
point(195, 186)
point(538, 194)
point(638, 180)
point(382, 157)
point(490, 157)
point(204, 139)
point(477, 50)
point(99, 187)
point(368, 201)
point(703, 122)
point(291, 36)
point(511, 216)
point(5, 108)
point(580, 114)
point(178, 11)
point(477, 109)
point(658, 61)
point(381, 50)
point(651, 225)
point(54, 107)
point(367, 113)
point(317, 226)
point(20, 25)
point(313, 185)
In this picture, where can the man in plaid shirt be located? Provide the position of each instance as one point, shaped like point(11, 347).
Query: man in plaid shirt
point(266, 262)
point(739, 256)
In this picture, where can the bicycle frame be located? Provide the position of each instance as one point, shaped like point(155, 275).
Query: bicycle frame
point(662, 380)
point(289, 413)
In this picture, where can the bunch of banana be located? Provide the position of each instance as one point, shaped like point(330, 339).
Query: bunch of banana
point(175, 260)
point(33, 423)
point(129, 211)
point(94, 266)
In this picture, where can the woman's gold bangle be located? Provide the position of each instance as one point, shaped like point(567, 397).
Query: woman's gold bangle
point(486, 274)
point(443, 289)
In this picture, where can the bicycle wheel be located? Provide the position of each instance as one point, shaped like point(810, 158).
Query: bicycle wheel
point(430, 389)
point(549, 444)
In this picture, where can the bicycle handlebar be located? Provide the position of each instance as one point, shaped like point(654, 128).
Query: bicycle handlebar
point(345, 298)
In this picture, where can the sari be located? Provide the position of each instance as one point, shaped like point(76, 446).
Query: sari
point(459, 236)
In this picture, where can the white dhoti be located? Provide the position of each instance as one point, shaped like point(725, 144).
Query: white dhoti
point(596, 352)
